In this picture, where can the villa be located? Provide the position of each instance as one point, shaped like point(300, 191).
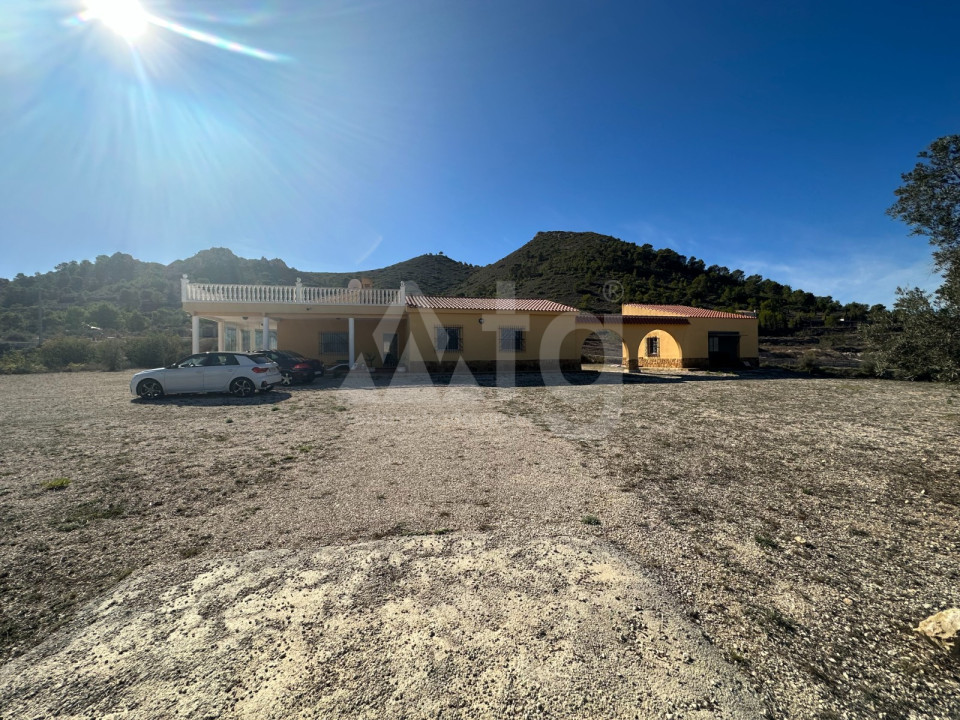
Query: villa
point(386, 328)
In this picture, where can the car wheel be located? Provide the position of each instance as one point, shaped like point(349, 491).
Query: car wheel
point(286, 379)
point(149, 389)
point(242, 387)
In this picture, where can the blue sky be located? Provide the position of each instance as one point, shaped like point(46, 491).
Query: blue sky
point(767, 136)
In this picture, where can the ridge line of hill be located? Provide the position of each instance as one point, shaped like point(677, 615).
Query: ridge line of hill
point(588, 270)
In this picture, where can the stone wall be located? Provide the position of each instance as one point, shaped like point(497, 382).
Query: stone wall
point(690, 363)
point(660, 362)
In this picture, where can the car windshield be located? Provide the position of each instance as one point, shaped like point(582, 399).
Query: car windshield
point(297, 355)
point(260, 359)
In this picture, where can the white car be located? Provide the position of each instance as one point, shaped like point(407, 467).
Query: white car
point(239, 373)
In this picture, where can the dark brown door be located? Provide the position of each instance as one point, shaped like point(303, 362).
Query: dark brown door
point(724, 349)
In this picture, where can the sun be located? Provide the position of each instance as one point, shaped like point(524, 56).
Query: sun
point(127, 18)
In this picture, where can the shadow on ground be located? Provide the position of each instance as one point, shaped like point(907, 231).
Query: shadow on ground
point(365, 378)
point(216, 399)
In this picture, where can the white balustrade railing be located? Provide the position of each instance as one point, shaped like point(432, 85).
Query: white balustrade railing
point(288, 294)
point(349, 296)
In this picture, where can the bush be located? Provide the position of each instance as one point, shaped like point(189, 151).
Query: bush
point(808, 362)
point(20, 362)
point(154, 350)
point(920, 339)
point(58, 353)
point(110, 355)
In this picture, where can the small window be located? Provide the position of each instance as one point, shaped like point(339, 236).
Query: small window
point(513, 339)
point(653, 347)
point(714, 344)
point(334, 343)
point(449, 338)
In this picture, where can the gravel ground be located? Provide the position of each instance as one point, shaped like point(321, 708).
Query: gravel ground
point(692, 545)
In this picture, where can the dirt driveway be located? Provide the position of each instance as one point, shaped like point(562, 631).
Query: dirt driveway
point(701, 545)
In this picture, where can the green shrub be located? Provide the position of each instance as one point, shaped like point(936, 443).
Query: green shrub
point(154, 350)
point(808, 362)
point(60, 483)
point(110, 354)
point(20, 362)
point(765, 541)
point(920, 339)
point(58, 353)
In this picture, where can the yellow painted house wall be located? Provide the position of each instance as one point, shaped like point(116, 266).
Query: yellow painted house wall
point(550, 343)
point(681, 345)
point(648, 310)
point(688, 345)
point(699, 329)
point(673, 342)
point(303, 336)
point(553, 339)
point(634, 339)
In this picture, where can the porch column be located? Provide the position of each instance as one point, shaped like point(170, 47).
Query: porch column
point(351, 338)
point(195, 327)
point(221, 339)
point(266, 332)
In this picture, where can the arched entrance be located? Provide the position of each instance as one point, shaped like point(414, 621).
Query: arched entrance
point(656, 348)
point(604, 347)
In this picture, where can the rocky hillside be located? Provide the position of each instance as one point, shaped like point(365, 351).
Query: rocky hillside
point(599, 272)
point(584, 269)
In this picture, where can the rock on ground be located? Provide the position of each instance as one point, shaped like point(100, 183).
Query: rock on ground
point(943, 630)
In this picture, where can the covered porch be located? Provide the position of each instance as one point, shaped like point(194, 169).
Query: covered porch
point(338, 325)
point(647, 341)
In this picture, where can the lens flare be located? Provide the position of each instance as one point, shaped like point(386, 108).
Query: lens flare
point(216, 41)
point(127, 18)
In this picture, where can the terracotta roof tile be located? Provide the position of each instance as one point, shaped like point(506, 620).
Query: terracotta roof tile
point(489, 304)
point(693, 312)
point(633, 319)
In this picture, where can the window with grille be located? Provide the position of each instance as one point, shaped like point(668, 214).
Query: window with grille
point(653, 347)
point(449, 338)
point(513, 339)
point(334, 343)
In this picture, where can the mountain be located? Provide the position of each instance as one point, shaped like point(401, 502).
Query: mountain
point(573, 268)
point(584, 269)
point(434, 274)
point(598, 273)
